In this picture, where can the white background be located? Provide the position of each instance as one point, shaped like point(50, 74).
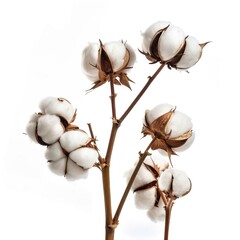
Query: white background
point(40, 55)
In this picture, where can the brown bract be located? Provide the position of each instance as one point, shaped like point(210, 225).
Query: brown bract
point(106, 71)
point(157, 129)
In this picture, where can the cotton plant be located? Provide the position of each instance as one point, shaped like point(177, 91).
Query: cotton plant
point(72, 152)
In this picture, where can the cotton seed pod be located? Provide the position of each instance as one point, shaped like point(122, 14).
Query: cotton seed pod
point(54, 152)
point(73, 139)
point(45, 129)
point(168, 44)
point(175, 182)
point(85, 157)
point(58, 106)
point(171, 128)
point(100, 61)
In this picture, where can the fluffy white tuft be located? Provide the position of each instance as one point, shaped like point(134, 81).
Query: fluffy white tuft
point(31, 127)
point(75, 172)
point(157, 111)
point(49, 128)
point(58, 167)
point(90, 60)
point(116, 52)
point(178, 124)
point(170, 42)
point(145, 199)
point(165, 180)
point(54, 152)
point(150, 32)
point(181, 183)
point(191, 55)
point(157, 214)
point(74, 139)
point(57, 106)
point(84, 157)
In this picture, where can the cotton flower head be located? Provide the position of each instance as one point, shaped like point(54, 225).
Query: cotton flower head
point(100, 62)
point(175, 183)
point(170, 128)
point(166, 43)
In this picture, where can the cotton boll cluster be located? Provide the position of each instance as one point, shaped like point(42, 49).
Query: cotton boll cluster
point(171, 128)
point(146, 189)
point(112, 60)
point(164, 42)
point(69, 152)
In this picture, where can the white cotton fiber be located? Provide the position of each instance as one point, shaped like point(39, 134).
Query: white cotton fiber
point(150, 32)
point(191, 55)
point(74, 172)
point(49, 128)
point(181, 183)
point(157, 111)
point(74, 139)
point(85, 157)
point(178, 124)
point(170, 42)
point(165, 180)
point(90, 60)
point(58, 167)
point(145, 199)
point(31, 127)
point(57, 106)
point(54, 152)
point(157, 214)
point(116, 52)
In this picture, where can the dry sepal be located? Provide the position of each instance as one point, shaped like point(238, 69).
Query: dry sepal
point(163, 42)
point(100, 61)
point(171, 129)
point(145, 187)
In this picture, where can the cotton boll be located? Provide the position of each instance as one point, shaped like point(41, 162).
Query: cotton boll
point(90, 60)
point(191, 55)
point(132, 58)
point(31, 127)
point(158, 111)
point(58, 167)
point(170, 42)
point(49, 128)
point(175, 181)
point(116, 52)
point(54, 152)
point(75, 172)
point(145, 199)
point(58, 106)
point(150, 32)
point(179, 124)
point(181, 183)
point(84, 157)
point(157, 214)
point(74, 139)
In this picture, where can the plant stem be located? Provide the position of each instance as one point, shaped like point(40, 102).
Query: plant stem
point(150, 80)
point(113, 96)
point(168, 209)
point(129, 185)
